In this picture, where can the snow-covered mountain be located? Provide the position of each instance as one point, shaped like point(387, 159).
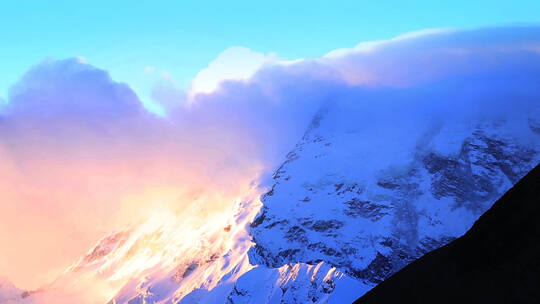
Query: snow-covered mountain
point(369, 198)
point(382, 175)
point(170, 260)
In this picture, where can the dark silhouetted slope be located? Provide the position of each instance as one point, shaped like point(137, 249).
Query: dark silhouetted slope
point(496, 261)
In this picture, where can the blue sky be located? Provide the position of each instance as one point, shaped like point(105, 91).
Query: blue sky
point(181, 37)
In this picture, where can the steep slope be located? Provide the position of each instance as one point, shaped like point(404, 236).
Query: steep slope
point(170, 259)
point(372, 187)
point(496, 261)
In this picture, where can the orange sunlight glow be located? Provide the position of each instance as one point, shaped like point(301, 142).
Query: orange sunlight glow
point(60, 197)
point(166, 245)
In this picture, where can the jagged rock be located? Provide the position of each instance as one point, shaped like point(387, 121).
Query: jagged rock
point(298, 283)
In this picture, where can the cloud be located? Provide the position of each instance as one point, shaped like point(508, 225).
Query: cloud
point(428, 56)
point(370, 46)
point(488, 67)
point(79, 155)
point(234, 63)
point(72, 88)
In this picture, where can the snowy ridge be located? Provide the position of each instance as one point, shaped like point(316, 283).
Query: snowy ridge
point(369, 198)
point(299, 283)
point(161, 261)
point(157, 263)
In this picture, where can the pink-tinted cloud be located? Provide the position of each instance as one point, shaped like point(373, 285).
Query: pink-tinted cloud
point(80, 156)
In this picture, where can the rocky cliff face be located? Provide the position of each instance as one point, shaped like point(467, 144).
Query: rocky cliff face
point(369, 198)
